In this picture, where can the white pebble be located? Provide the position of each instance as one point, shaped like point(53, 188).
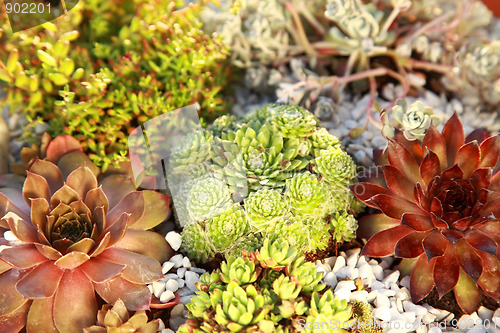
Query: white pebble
point(371, 296)
point(391, 278)
point(166, 267)
point(378, 271)
point(167, 296)
point(330, 261)
point(172, 285)
point(186, 299)
point(184, 291)
point(410, 307)
point(382, 301)
point(185, 262)
point(348, 284)
point(174, 239)
point(365, 272)
point(322, 269)
point(191, 278)
point(167, 330)
point(339, 263)
point(359, 296)
point(330, 279)
point(383, 314)
point(181, 271)
point(353, 259)
point(197, 270)
point(428, 318)
point(361, 261)
point(181, 283)
point(158, 288)
point(170, 276)
point(405, 282)
point(435, 330)
point(177, 260)
point(485, 313)
point(342, 293)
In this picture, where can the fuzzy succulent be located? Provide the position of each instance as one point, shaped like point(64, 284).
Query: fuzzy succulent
point(72, 237)
point(344, 226)
point(288, 175)
point(264, 207)
point(117, 319)
point(440, 209)
point(98, 71)
point(259, 298)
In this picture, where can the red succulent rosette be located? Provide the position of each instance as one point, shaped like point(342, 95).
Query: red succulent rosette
point(74, 238)
point(441, 209)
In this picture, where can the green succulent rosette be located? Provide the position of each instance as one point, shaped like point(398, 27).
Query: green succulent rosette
point(226, 228)
point(291, 121)
point(241, 307)
point(306, 275)
point(335, 166)
point(322, 139)
point(336, 312)
point(196, 244)
point(192, 149)
point(264, 207)
point(249, 243)
point(344, 227)
point(228, 165)
point(241, 270)
point(269, 157)
point(208, 197)
point(276, 255)
point(306, 194)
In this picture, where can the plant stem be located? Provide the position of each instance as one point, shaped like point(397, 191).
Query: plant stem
point(300, 29)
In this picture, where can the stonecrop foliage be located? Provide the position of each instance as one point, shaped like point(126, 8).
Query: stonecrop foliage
point(296, 175)
point(440, 210)
point(269, 290)
point(106, 67)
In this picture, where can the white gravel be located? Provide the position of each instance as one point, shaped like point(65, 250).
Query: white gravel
point(390, 298)
point(179, 278)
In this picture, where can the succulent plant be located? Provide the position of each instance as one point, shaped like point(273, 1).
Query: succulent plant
point(335, 166)
point(475, 78)
point(264, 207)
point(76, 236)
point(227, 228)
point(307, 195)
point(288, 179)
point(290, 121)
point(344, 226)
point(414, 120)
point(95, 73)
point(440, 208)
point(259, 298)
point(208, 197)
point(275, 255)
point(241, 270)
point(116, 318)
point(327, 309)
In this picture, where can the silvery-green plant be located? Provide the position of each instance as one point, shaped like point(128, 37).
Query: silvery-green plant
point(247, 295)
point(292, 191)
point(475, 77)
point(344, 226)
point(414, 120)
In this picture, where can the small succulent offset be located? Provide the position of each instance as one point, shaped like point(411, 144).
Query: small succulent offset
point(440, 209)
point(414, 120)
point(264, 297)
point(293, 193)
point(67, 236)
point(117, 69)
point(116, 318)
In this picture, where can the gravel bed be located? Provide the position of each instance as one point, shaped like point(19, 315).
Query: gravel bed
point(389, 296)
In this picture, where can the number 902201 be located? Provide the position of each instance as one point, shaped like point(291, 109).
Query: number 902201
point(27, 8)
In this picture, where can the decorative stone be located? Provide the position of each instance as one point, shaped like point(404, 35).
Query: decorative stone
point(167, 296)
point(330, 279)
point(191, 278)
point(177, 260)
point(158, 288)
point(165, 268)
point(174, 239)
point(172, 285)
point(181, 272)
point(383, 314)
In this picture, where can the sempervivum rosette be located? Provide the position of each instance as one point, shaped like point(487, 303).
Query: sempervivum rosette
point(70, 236)
point(441, 208)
